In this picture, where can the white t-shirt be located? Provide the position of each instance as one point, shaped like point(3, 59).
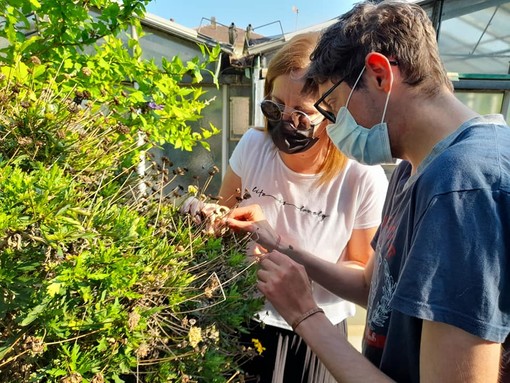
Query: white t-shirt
point(315, 218)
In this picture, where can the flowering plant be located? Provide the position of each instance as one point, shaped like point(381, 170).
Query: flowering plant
point(100, 279)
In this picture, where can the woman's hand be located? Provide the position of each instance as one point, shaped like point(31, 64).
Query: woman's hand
point(210, 215)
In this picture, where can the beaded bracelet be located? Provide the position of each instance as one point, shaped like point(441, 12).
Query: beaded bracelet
point(306, 315)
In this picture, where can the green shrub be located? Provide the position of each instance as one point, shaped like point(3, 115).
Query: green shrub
point(99, 280)
point(98, 288)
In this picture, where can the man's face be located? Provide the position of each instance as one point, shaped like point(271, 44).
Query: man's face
point(326, 103)
point(336, 94)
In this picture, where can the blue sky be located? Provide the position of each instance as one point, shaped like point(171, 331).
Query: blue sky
point(257, 13)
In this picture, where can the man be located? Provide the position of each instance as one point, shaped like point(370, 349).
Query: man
point(438, 288)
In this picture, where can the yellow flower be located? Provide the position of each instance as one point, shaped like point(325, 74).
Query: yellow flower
point(195, 336)
point(258, 346)
point(192, 189)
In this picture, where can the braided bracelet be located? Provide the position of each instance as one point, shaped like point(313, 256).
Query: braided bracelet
point(306, 315)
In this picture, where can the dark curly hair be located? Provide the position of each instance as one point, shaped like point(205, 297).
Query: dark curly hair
point(401, 31)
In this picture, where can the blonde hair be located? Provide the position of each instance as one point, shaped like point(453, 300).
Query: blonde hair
point(294, 58)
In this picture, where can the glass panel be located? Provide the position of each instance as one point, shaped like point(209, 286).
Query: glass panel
point(483, 103)
point(506, 106)
point(156, 44)
point(474, 36)
point(200, 161)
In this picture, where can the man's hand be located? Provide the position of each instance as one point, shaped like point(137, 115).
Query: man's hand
point(242, 216)
point(286, 285)
point(251, 219)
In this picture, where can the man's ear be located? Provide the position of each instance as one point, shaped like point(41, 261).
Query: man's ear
point(379, 68)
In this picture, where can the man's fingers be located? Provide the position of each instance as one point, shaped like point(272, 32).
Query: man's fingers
point(238, 224)
point(247, 213)
point(263, 274)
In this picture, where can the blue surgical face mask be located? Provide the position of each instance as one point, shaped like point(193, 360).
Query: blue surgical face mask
point(367, 146)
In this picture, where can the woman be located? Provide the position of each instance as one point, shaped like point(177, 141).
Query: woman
point(326, 203)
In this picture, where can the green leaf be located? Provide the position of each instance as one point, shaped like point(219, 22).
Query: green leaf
point(4, 350)
point(38, 71)
point(35, 4)
point(34, 314)
point(98, 276)
point(54, 289)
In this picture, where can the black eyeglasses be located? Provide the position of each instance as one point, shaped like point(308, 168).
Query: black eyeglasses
point(300, 120)
point(328, 114)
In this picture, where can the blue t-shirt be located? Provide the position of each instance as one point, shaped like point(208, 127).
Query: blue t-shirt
point(443, 248)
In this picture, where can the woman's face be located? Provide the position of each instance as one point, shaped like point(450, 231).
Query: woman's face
point(287, 91)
